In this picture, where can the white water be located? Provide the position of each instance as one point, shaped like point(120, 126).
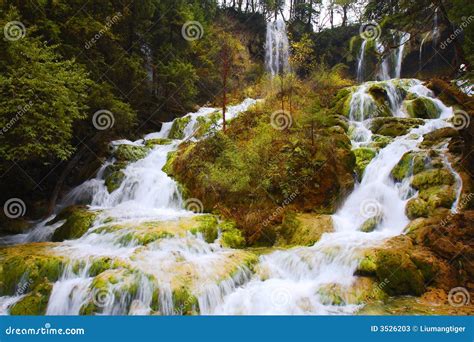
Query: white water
point(294, 281)
point(277, 48)
point(360, 62)
point(391, 65)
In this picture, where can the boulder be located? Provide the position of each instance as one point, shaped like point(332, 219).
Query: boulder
point(393, 127)
point(78, 221)
point(304, 229)
point(421, 107)
point(130, 153)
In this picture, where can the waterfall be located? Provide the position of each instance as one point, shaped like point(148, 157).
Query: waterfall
point(421, 49)
point(436, 32)
point(277, 48)
point(401, 48)
point(360, 62)
point(293, 281)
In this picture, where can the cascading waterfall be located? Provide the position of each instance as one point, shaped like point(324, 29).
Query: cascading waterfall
point(294, 281)
point(391, 65)
point(277, 48)
point(360, 62)
point(404, 38)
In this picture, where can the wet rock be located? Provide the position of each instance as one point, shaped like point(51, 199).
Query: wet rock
point(370, 224)
point(304, 229)
point(33, 263)
point(438, 136)
point(34, 303)
point(177, 130)
point(430, 178)
point(130, 153)
point(78, 221)
point(421, 107)
point(363, 156)
point(114, 180)
point(410, 164)
point(393, 127)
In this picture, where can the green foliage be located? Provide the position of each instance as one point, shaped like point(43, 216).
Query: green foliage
point(42, 97)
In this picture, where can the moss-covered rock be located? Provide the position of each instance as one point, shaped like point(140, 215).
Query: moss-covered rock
point(363, 290)
point(34, 263)
point(231, 236)
point(393, 127)
point(438, 196)
point(430, 178)
point(416, 207)
point(114, 180)
point(403, 277)
point(304, 229)
point(34, 303)
point(130, 153)
point(168, 167)
point(78, 221)
point(363, 156)
point(342, 101)
point(208, 226)
point(380, 141)
point(177, 129)
point(370, 224)
point(421, 107)
point(158, 141)
point(411, 163)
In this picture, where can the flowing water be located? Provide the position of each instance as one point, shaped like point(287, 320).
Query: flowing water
point(294, 281)
point(277, 48)
point(360, 62)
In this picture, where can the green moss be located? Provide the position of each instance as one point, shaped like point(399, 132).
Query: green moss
point(342, 101)
point(184, 302)
point(154, 142)
point(114, 180)
point(411, 163)
point(78, 222)
point(231, 236)
point(380, 141)
point(130, 153)
point(438, 136)
point(430, 178)
point(168, 167)
point(208, 227)
point(438, 196)
point(363, 156)
point(402, 275)
point(416, 207)
point(393, 127)
point(177, 129)
point(33, 262)
point(34, 303)
point(367, 266)
point(370, 224)
point(301, 229)
point(421, 107)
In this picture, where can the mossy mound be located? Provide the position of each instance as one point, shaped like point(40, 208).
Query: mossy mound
point(363, 156)
point(231, 236)
point(130, 153)
point(430, 178)
point(144, 233)
point(177, 129)
point(363, 290)
point(342, 101)
point(34, 303)
point(393, 127)
point(371, 224)
point(380, 141)
point(36, 262)
point(430, 199)
point(402, 267)
point(158, 141)
point(78, 221)
point(304, 229)
point(410, 164)
point(421, 107)
point(114, 180)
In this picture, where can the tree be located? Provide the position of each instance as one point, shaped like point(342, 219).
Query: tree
point(42, 97)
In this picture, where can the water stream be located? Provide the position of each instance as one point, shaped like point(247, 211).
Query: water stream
point(294, 281)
